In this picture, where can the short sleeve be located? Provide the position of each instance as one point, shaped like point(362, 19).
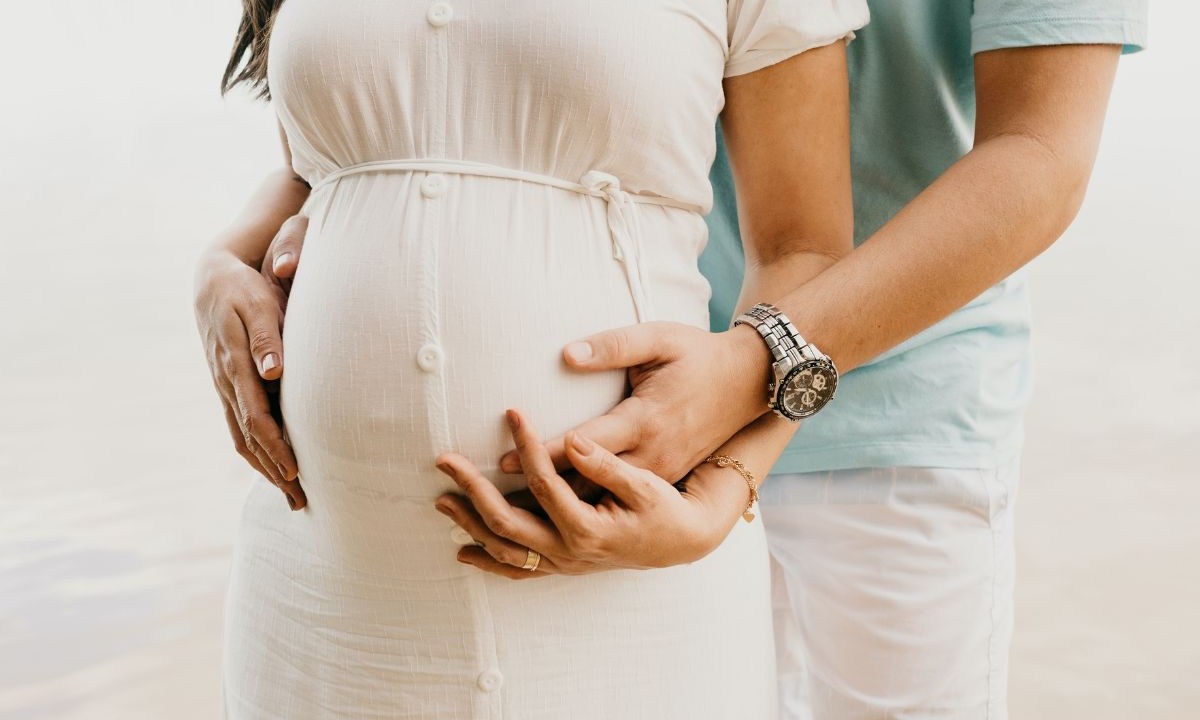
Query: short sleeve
point(765, 32)
point(998, 24)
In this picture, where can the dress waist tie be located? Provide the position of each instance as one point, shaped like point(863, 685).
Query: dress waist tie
point(621, 207)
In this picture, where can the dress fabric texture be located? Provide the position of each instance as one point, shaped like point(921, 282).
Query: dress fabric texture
point(492, 179)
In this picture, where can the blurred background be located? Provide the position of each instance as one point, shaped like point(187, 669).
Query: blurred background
point(119, 487)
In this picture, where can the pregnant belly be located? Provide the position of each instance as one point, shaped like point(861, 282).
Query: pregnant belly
point(408, 333)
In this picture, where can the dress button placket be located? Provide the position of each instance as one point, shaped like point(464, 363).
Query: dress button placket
point(489, 680)
point(439, 14)
point(429, 358)
point(433, 186)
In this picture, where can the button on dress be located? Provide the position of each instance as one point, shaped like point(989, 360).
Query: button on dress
point(491, 179)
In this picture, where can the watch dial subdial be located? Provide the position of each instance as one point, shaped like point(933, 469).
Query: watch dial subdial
point(808, 389)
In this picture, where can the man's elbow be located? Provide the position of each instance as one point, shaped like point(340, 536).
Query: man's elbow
point(1068, 171)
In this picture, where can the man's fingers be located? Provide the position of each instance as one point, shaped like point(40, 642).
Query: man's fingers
point(645, 343)
point(627, 483)
point(568, 513)
point(283, 256)
point(616, 430)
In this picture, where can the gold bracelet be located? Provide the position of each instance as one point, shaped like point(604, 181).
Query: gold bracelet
point(722, 461)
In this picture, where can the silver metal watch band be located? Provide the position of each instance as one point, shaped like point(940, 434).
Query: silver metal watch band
point(782, 338)
point(803, 380)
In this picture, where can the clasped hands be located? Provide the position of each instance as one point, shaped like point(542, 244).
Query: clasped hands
point(692, 390)
point(601, 497)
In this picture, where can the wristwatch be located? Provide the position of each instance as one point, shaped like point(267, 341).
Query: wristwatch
point(803, 379)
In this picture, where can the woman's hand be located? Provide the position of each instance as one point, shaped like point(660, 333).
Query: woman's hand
point(641, 522)
point(239, 312)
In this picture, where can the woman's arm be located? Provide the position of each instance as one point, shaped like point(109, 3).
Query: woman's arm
point(788, 137)
point(239, 313)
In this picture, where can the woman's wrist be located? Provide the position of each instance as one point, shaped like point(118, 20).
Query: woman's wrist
point(281, 195)
point(724, 495)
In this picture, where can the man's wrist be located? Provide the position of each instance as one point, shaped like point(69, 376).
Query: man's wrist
point(752, 367)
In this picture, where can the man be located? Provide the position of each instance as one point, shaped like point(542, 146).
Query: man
point(890, 516)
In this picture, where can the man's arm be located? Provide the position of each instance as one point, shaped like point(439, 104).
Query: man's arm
point(1038, 122)
point(1040, 111)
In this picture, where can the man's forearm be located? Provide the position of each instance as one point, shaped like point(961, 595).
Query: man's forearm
point(1039, 116)
point(280, 196)
point(992, 212)
point(759, 444)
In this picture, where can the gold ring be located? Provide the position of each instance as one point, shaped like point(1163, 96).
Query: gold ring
point(532, 560)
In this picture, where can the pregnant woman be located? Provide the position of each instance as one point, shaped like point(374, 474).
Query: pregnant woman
point(489, 180)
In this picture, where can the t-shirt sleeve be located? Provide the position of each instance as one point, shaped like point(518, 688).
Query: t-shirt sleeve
point(998, 24)
point(765, 32)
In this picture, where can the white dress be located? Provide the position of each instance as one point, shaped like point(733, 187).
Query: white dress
point(492, 178)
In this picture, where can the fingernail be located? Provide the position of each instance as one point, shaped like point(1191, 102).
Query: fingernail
point(579, 352)
point(514, 421)
point(444, 467)
point(280, 260)
point(443, 510)
point(270, 362)
point(582, 445)
point(291, 502)
point(509, 464)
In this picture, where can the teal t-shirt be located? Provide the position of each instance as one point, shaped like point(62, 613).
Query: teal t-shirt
point(954, 395)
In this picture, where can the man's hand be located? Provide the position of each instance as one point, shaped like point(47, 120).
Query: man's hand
point(692, 391)
point(239, 312)
point(642, 522)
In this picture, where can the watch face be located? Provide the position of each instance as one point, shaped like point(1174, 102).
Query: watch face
point(808, 388)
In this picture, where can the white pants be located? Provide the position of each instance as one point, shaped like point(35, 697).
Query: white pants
point(893, 592)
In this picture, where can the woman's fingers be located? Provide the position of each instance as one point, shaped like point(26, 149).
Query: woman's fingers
point(463, 515)
point(629, 484)
point(476, 556)
point(233, 403)
point(263, 324)
point(249, 403)
point(501, 518)
point(617, 430)
point(239, 440)
point(568, 513)
point(258, 457)
point(283, 256)
point(253, 408)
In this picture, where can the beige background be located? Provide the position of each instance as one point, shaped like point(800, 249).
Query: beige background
point(119, 489)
